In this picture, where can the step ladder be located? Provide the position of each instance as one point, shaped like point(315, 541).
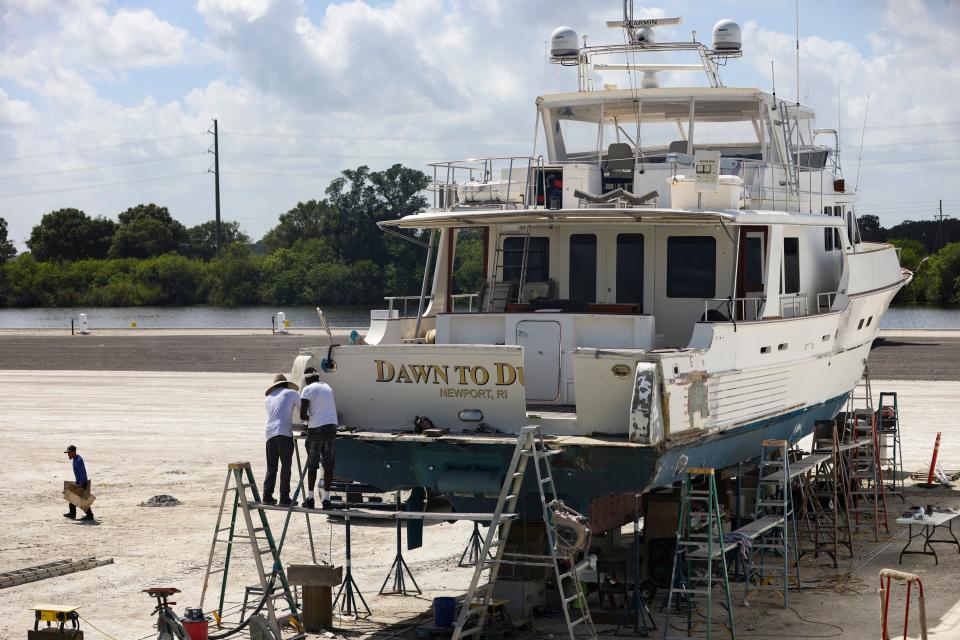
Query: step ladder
point(775, 501)
point(891, 449)
point(560, 557)
point(700, 553)
point(241, 487)
point(828, 497)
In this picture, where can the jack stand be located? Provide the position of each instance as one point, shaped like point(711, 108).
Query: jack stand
point(473, 552)
point(349, 589)
point(399, 566)
point(636, 605)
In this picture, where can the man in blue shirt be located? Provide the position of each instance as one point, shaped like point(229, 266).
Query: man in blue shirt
point(81, 480)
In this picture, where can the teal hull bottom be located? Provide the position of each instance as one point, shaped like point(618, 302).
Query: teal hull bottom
point(595, 479)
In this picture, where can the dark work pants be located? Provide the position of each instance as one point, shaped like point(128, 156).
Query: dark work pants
point(72, 508)
point(279, 449)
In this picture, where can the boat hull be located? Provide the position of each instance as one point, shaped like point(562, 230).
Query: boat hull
point(597, 478)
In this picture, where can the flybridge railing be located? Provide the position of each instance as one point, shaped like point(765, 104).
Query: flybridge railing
point(769, 186)
point(501, 182)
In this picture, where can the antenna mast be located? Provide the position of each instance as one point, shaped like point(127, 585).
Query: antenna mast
point(863, 133)
point(797, 4)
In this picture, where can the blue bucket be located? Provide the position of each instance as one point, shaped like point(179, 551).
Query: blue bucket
point(443, 610)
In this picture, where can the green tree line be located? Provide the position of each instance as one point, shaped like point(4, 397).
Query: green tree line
point(324, 251)
point(929, 248)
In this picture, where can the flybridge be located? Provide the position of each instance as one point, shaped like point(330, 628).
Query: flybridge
point(566, 49)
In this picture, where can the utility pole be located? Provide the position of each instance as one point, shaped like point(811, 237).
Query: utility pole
point(939, 217)
point(216, 180)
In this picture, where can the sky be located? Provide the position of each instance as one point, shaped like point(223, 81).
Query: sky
point(105, 104)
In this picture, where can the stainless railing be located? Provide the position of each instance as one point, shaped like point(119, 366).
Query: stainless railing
point(392, 300)
point(470, 297)
point(825, 301)
point(769, 186)
point(795, 304)
point(735, 309)
point(449, 175)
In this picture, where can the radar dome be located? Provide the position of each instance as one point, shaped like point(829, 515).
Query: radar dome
point(564, 43)
point(726, 36)
point(644, 35)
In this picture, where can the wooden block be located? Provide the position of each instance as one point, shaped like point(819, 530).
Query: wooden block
point(314, 575)
point(317, 611)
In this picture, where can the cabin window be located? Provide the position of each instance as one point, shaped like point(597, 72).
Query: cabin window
point(691, 267)
point(630, 269)
point(583, 267)
point(753, 262)
point(791, 265)
point(828, 239)
point(538, 259)
point(837, 242)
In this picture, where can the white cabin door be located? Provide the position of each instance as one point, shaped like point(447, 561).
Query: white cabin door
point(540, 340)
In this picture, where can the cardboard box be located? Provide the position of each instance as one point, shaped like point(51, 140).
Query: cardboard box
point(77, 495)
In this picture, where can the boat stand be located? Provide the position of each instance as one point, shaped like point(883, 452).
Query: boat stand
point(474, 550)
point(399, 569)
point(349, 589)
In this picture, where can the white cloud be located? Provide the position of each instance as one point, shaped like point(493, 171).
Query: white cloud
point(404, 80)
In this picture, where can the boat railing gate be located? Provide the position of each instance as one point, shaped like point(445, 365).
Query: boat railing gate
point(825, 301)
point(795, 303)
point(392, 300)
point(470, 297)
point(736, 309)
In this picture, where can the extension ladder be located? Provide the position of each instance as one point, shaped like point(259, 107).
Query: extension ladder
point(473, 613)
point(238, 483)
point(774, 504)
point(697, 552)
point(828, 497)
point(891, 450)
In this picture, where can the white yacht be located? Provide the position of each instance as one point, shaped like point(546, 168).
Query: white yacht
point(673, 275)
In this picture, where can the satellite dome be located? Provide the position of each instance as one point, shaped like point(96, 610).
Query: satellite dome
point(726, 36)
point(564, 43)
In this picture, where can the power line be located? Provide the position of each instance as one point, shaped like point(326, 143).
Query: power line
point(99, 186)
point(904, 125)
point(902, 144)
point(103, 166)
point(106, 146)
point(256, 134)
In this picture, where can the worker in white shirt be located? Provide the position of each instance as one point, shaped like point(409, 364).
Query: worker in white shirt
point(319, 411)
point(282, 400)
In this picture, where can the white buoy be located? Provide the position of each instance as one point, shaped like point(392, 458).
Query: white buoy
point(84, 330)
point(282, 322)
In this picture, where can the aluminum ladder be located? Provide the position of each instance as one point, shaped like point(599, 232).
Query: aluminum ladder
point(237, 484)
point(473, 611)
point(891, 449)
point(698, 552)
point(775, 500)
point(868, 498)
point(828, 499)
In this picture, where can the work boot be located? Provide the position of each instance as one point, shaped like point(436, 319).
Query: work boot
point(72, 516)
point(269, 500)
point(88, 517)
point(326, 504)
point(285, 501)
point(71, 512)
point(308, 503)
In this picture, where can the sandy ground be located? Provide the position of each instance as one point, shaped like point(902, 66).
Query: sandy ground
point(143, 434)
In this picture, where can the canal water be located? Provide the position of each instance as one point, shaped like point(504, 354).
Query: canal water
point(210, 317)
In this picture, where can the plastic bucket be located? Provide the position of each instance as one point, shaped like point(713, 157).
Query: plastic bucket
point(443, 610)
point(196, 629)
